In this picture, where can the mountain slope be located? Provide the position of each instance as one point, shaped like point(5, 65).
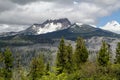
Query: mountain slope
point(85, 31)
point(112, 26)
point(47, 26)
point(70, 33)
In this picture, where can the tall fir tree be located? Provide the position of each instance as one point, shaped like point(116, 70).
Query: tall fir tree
point(37, 68)
point(103, 57)
point(1, 68)
point(8, 62)
point(18, 67)
point(47, 68)
point(118, 53)
point(81, 53)
point(1, 57)
point(68, 59)
point(60, 60)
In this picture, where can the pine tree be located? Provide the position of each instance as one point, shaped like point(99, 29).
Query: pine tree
point(1, 57)
point(118, 53)
point(18, 67)
point(60, 60)
point(68, 59)
point(81, 53)
point(1, 68)
point(103, 57)
point(8, 62)
point(37, 68)
point(47, 69)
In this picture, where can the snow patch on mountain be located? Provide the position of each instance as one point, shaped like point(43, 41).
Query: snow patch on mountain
point(93, 25)
point(79, 24)
point(49, 27)
point(76, 24)
point(112, 26)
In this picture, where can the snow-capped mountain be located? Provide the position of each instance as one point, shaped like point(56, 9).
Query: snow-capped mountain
point(63, 27)
point(112, 26)
point(81, 25)
point(48, 26)
point(82, 28)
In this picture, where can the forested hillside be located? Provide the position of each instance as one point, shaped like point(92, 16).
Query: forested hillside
point(69, 64)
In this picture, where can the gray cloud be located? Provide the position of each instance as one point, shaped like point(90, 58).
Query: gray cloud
point(9, 28)
point(6, 5)
point(23, 2)
point(26, 12)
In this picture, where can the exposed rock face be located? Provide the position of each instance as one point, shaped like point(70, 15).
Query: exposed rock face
point(47, 26)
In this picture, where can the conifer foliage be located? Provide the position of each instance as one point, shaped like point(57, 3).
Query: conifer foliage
point(8, 62)
point(103, 57)
point(68, 59)
point(37, 68)
point(64, 58)
point(81, 53)
point(118, 53)
point(47, 68)
point(60, 64)
point(71, 64)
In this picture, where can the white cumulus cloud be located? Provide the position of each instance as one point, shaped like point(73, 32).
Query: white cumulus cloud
point(12, 28)
point(28, 12)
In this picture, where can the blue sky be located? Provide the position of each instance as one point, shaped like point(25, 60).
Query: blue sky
point(114, 16)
